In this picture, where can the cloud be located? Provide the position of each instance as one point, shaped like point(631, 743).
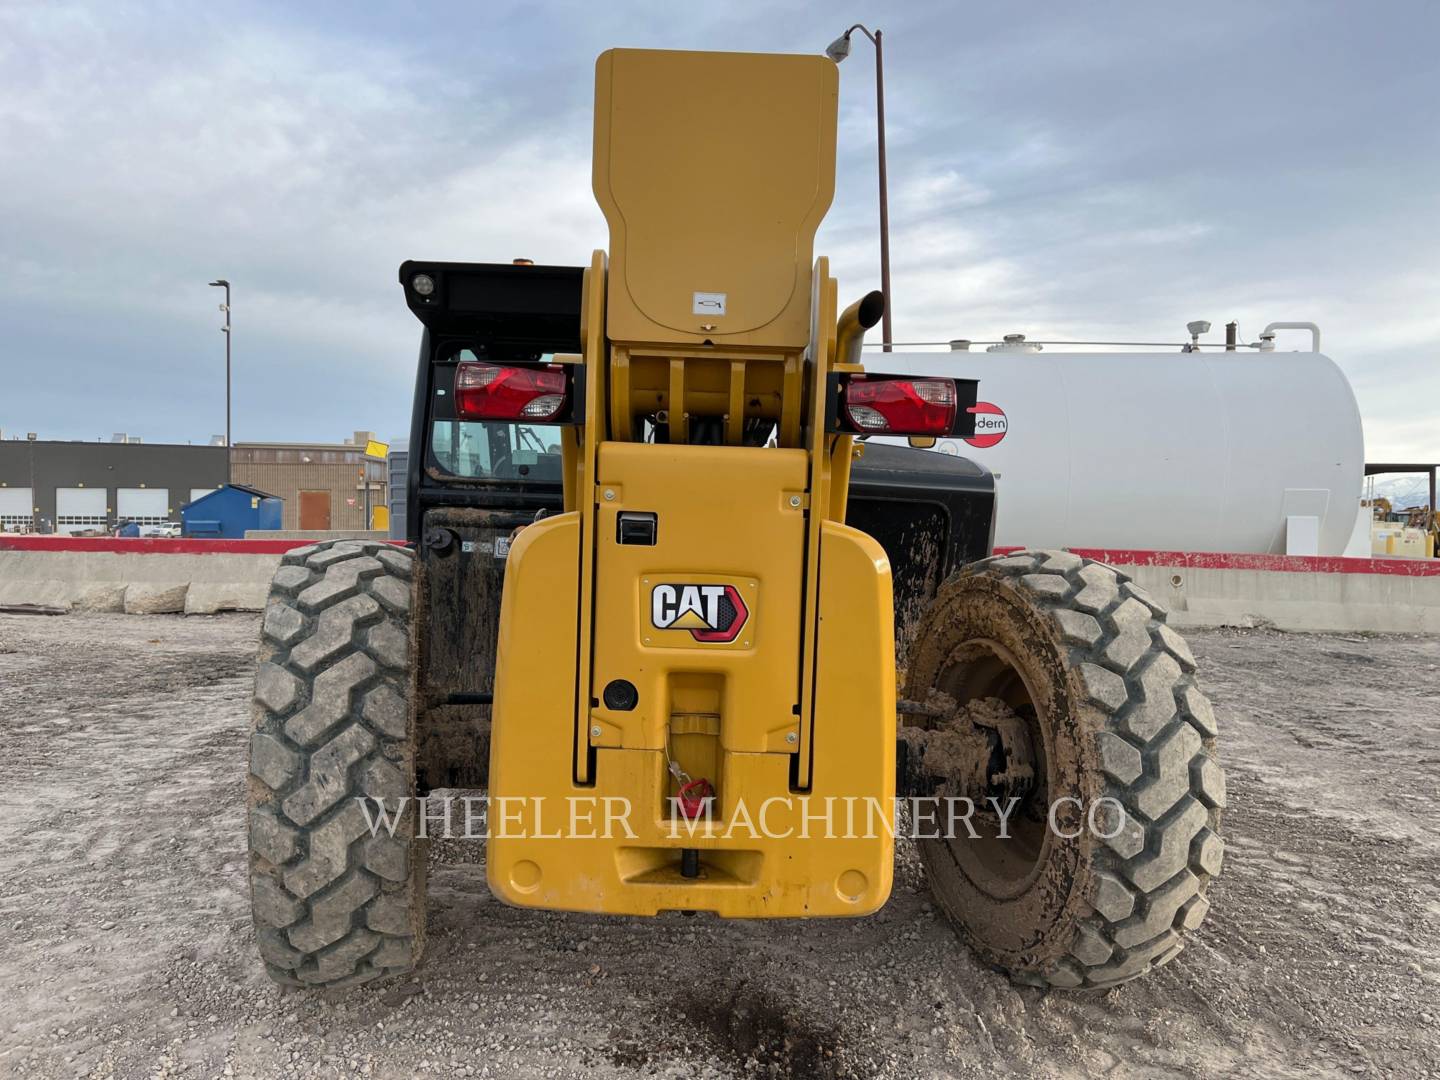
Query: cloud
point(1065, 171)
point(938, 193)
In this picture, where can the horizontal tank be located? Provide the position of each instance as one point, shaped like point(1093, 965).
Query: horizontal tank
point(1173, 451)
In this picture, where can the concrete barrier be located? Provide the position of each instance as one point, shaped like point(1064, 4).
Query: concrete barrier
point(1200, 588)
point(147, 576)
point(1288, 592)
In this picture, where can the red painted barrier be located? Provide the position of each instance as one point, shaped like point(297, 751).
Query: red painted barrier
point(1230, 560)
point(152, 545)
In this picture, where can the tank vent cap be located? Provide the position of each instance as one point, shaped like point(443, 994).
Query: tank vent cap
point(1015, 343)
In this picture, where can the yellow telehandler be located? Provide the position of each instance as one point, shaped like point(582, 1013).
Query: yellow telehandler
point(655, 590)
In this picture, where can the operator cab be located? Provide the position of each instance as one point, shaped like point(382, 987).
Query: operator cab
point(481, 313)
point(472, 482)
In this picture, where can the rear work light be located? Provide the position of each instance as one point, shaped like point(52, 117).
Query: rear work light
point(897, 405)
point(502, 392)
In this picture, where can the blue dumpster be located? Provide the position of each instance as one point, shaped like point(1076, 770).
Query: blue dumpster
point(226, 513)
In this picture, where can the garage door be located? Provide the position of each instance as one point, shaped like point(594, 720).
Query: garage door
point(198, 493)
point(80, 508)
point(144, 506)
point(17, 512)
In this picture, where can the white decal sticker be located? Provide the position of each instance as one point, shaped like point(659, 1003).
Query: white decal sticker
point(708, 303)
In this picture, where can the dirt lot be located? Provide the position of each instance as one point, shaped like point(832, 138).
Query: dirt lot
point(125, 942)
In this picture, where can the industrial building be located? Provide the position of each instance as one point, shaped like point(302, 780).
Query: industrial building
point(59, 486)
point(324, 485)
point(70, 487)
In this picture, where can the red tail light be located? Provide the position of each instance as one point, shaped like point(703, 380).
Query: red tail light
point(884, 406)
point(498, 392)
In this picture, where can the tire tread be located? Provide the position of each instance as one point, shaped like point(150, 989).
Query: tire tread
point(1156, 756)
point(334, 906)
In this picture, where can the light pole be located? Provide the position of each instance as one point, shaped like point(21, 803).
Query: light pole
point(221, 283)
point(838, 50)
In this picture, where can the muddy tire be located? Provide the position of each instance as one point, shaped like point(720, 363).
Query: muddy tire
point(333, 904)
point(1108, 691)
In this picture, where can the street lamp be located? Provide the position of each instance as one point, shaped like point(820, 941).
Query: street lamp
point(221, 283)
point(838, 50)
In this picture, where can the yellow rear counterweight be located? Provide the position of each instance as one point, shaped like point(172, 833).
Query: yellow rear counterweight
point(701, 612)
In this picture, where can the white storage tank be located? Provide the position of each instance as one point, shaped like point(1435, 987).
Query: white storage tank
point(1173, 451)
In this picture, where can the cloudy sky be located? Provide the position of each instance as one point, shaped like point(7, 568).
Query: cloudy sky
point(1071, 170)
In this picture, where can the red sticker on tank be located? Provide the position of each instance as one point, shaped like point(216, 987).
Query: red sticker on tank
point(990, 424)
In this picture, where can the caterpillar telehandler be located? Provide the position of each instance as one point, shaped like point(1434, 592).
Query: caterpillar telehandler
point(655, 590)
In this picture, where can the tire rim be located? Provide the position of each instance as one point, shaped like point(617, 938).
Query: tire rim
point(1003, 868)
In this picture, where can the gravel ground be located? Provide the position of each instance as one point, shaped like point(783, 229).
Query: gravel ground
point(125, 944)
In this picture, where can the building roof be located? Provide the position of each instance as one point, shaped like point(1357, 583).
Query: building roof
point(299, 446)
point(112, 445)
point(235, 487)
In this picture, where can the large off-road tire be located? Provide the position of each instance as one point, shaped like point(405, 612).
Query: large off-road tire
point(333, 904)
point(1109, 695)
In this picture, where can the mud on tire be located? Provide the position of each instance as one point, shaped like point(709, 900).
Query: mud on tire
point(1108, 688)
point(333, 905)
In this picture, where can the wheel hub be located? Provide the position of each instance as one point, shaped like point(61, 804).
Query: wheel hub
point(980, 750)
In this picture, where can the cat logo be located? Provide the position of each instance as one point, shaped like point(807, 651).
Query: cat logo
point(712, 613)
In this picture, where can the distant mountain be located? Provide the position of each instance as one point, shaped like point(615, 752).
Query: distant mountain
point(1402, 491)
